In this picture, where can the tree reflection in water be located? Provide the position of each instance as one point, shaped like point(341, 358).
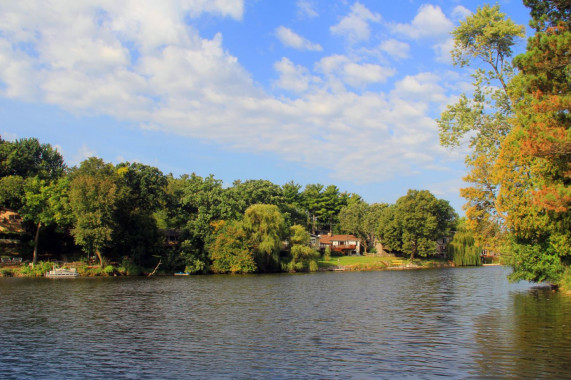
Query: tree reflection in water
point(531, 339)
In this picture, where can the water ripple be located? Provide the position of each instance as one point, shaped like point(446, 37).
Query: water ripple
point(419, 324)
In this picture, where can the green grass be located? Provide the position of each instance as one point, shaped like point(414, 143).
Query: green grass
point(374, 262)
point(358, 262)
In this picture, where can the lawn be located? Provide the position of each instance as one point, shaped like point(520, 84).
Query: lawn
point(360, 262)
point(373, 262)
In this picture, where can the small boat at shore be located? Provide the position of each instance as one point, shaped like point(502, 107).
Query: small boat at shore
point(182, 274)
point(62, 273)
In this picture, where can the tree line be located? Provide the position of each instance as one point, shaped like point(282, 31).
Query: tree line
point(516, 124)
point(122, 213)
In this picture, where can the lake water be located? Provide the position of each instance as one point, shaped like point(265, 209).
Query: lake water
point(458, 322)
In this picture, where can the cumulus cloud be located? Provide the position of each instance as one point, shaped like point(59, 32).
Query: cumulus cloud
point(291, 77)
point(396, 49)
point(355, 26)
point(294, 40)
point(421, 87)
point(348, 72)
point(429, 22)
point(143, 62)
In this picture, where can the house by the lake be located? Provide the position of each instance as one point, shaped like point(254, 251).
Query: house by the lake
point(345, 244)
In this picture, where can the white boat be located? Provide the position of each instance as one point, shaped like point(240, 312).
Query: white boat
point(62, 273)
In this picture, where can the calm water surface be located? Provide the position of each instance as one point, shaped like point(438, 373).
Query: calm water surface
point(420, 324)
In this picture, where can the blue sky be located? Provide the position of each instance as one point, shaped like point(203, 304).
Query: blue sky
point(314, 91)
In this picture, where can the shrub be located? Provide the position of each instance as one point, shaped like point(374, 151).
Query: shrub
point(37, 271)
point(327, 254)
point(130, 268)
point(5, 272)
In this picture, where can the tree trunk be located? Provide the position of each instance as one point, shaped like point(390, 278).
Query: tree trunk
point(36, 240)
point(99, 257)
point(413, 252)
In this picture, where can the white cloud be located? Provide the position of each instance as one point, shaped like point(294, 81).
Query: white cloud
point(421, 87)
point(443, 50)
point(340, 69)
point(294, 40)
point(460, 13)
point(429, 22)
point(355, 26)
point(292, 78)
point(396, 49)
point(225, 8)
point(306, 8)
point(141, 62)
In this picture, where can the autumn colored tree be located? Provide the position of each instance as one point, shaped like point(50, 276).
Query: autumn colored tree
point(534, 169)
point(231, 251)
point(483, 119)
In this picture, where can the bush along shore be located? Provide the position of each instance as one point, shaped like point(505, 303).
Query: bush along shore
point(343, 263)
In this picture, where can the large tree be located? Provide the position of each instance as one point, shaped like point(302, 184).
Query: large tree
point(485, 40)
point(415, 222)
point(93, 195)
point(29, 175)
point(29, 158)
point(45, 203)
point(205, 202)
point(252, 192)
point(142, 193)
point(534, 169)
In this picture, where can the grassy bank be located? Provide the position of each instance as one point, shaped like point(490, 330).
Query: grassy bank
point(364, 263)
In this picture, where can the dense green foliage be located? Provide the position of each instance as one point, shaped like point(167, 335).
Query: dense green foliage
point(123, 214)
point(415, 222)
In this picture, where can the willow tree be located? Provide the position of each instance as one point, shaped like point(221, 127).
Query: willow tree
point(265, 227)
point(303, 257)
point(462, 249)
point(484, 40)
